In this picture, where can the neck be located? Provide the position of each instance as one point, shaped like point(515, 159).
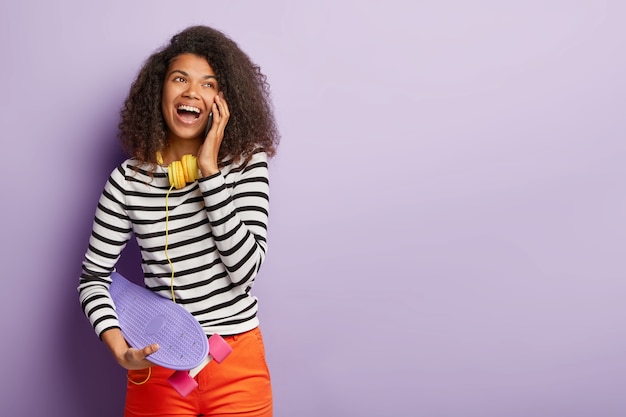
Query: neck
point(178, 147)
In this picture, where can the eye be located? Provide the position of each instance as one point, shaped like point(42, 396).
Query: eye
point(179, 79)
point(209, 85)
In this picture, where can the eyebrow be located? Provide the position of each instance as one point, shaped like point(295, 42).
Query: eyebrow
point(206, 77)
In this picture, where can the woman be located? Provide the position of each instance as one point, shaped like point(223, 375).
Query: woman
point(202, 244)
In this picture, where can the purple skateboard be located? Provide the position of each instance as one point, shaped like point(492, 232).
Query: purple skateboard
point(145, 318)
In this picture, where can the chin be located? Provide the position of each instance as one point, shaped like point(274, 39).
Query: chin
point(186, 135)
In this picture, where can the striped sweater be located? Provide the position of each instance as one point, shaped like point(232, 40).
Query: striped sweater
point(216, 241)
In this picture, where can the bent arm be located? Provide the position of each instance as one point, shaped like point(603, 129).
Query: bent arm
point(110, 233)
point(238, 215)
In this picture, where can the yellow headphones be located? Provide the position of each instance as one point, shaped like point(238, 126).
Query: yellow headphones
point(181, 172)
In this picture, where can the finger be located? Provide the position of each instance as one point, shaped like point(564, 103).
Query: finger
point(224, 114)
point(209, 124)
point(150, 349)
point(216, 113)
point(223, 105)
point(136, 358)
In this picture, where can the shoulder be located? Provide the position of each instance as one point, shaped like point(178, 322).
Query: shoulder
point(257, 159)
point(133, 167)
point(135, 171)
point(259, 155)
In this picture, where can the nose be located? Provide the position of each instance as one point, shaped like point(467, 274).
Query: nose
point(190, 91)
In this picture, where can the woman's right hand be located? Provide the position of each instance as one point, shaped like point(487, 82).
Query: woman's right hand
point(134, 359)
point(128, 357)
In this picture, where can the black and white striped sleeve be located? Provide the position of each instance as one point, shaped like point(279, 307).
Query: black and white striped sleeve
point(110, 233)
point(238, 215)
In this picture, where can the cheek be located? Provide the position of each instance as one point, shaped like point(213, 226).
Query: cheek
point(168, 93)
point(166, 101)
point(166, 115)
point(209, 97)
point(166, 111)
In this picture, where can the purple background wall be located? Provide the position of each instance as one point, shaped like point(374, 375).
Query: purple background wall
point(448, 223)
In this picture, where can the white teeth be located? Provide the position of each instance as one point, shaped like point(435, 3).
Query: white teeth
point(188, 108)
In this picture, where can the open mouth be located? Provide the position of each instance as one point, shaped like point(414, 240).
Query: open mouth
point(188, 113)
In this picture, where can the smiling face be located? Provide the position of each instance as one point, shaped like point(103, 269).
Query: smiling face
point(189, 90)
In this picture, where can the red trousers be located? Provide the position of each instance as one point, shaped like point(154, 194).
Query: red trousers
point(239, 386)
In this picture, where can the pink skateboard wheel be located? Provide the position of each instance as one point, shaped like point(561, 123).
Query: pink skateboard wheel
point(182, 382)
point(219, 349)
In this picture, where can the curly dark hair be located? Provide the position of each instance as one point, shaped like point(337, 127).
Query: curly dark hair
point(251, 125)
